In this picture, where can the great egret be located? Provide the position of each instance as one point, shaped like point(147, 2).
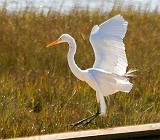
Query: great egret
point(108, 74)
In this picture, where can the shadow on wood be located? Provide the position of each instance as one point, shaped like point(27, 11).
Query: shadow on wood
point(137, 132)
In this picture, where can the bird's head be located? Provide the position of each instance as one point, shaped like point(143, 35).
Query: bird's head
point(62, 39)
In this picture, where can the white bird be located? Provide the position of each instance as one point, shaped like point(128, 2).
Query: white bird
point(108, 74)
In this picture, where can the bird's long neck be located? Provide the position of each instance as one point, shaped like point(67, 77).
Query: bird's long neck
point(70, 57)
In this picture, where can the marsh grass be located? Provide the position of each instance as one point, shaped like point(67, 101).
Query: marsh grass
point(40, 95)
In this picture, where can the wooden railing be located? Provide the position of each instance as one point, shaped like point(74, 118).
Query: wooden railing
point(137, 132)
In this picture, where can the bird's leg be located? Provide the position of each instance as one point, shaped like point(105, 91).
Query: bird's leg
point(91, 118)
point(86, 121)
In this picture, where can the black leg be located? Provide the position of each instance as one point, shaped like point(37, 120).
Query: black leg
point(86, 121)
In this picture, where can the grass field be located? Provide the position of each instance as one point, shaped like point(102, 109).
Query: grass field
point(40, 95)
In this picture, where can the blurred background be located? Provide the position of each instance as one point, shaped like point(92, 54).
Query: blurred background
point(66, 5)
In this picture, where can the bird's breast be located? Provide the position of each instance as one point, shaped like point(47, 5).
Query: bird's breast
point(89, 79)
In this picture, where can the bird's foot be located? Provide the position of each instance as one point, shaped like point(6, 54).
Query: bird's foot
point(85, 121)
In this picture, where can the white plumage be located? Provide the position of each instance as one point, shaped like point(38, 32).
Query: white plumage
point(108, 46)
point(108, 74)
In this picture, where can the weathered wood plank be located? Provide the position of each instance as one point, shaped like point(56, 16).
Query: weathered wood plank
point(145, 131)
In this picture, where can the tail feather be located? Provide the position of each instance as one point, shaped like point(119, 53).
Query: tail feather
point(130, 73)
point(126, 87)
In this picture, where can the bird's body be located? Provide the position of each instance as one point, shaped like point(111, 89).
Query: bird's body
point(108, 74)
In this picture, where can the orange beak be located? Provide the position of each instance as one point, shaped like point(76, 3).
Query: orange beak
point(58, 41)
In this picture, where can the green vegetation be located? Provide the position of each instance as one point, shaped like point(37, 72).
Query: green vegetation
point(40, 95)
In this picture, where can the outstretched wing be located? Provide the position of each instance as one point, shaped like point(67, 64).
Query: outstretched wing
point(108, 46)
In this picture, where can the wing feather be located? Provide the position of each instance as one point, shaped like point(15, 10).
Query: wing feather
point(108, 46)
